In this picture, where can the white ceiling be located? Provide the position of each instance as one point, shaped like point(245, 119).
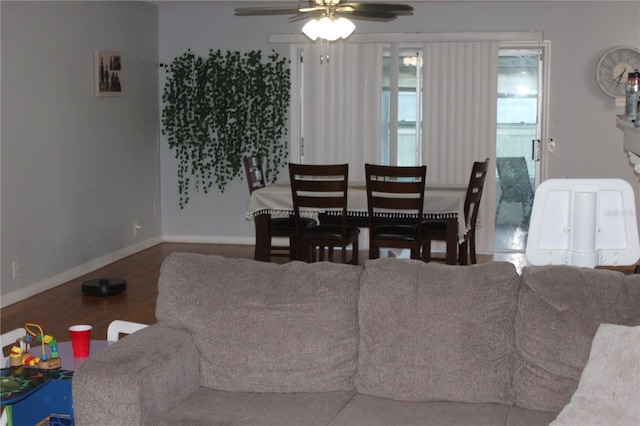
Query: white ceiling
point(285, 2)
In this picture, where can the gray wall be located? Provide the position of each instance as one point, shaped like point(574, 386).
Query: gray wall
point(77, 171)
point(213, 217)
point(582, 118)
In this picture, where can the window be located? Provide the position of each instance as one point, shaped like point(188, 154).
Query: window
point(401, 132)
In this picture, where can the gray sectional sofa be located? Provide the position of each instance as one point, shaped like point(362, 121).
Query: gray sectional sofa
point(397, 342)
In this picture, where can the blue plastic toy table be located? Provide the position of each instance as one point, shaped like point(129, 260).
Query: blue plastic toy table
point(35, 394)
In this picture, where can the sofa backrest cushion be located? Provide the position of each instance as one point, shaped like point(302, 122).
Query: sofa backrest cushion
point(559, 311)
point(432, 332)
point(264, 327)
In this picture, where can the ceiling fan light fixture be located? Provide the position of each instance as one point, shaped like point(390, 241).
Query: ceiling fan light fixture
point(330, 24)
point(329, 29)
point(311, 29)
point(345, 27)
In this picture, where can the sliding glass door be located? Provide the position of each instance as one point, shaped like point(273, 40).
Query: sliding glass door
point(518, 135)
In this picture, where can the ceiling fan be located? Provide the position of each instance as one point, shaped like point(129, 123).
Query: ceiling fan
point(318, 8)
point(329, 17)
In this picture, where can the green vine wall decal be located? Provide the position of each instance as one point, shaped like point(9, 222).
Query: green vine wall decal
point(218, 109)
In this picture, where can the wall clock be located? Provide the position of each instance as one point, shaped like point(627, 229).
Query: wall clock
point(614, 67)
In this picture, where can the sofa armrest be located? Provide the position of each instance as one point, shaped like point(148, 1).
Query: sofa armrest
point(137, 377)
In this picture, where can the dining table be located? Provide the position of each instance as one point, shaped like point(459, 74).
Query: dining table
point(441, 201)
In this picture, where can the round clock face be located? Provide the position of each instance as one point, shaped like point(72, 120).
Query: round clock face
point(614, 67)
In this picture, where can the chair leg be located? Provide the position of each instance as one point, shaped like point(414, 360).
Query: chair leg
point(472, 249)
point(355, 258)
point(293, 249)
point(426, 251)
point(462, 253)
point(498, 208)
point(526, 210)
point(309, 254)
point(374, 251)
point(415, 253)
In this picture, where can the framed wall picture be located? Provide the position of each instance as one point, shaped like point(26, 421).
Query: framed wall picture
point(107, 73)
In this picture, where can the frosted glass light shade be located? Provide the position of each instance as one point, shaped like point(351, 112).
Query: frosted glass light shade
point(311, 29)
point(344, 27)
point(328, 29)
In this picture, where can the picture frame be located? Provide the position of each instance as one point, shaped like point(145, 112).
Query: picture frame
point(107, 73)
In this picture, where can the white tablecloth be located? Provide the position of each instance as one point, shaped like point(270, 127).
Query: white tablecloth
point(440, 201)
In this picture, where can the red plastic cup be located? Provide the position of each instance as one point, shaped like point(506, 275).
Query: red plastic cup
point(80, 340)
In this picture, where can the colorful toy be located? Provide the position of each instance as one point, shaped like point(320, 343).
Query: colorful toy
point(20, 356)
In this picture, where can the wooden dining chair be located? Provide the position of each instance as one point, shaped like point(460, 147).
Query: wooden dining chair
point(395, 200)
point(322, 188)
point(278, 226)
point(436, 229)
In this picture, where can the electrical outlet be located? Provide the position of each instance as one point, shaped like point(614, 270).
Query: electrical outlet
point(136, 228)
point(15, 267)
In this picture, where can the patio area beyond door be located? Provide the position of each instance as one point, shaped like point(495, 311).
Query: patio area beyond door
point(519, 112)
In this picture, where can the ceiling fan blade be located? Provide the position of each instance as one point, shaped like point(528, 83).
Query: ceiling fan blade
point(374, 11)
point(388, 7)
point(266, 10)
point(369, 15)
point(317, 8)
point(344, 9)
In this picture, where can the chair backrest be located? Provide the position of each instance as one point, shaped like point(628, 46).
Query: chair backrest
point(8, 339)
point(474, 192)
point(321, 188)
point(393, 188)
point(514, 179)
point(125, 327)
point(253, 169)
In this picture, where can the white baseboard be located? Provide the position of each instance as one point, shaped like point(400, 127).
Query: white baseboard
point(208, 239)
point(71, 274)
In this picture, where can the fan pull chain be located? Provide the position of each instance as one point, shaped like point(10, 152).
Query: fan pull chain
point(323, 48)
point(324, 51)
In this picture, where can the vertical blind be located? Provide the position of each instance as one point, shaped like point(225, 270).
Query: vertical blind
point(459, 119)
point(342, 105)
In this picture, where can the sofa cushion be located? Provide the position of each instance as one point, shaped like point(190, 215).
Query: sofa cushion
point(264, 327)
point(207, 407)
point(559, 310)
point(609, 388)
point(366, 410)
point(524, 417)
point(437, 332)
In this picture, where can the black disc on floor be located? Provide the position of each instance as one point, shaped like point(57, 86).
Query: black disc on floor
point(104, 287)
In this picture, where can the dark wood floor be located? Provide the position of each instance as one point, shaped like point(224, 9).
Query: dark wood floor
point(66, 305)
